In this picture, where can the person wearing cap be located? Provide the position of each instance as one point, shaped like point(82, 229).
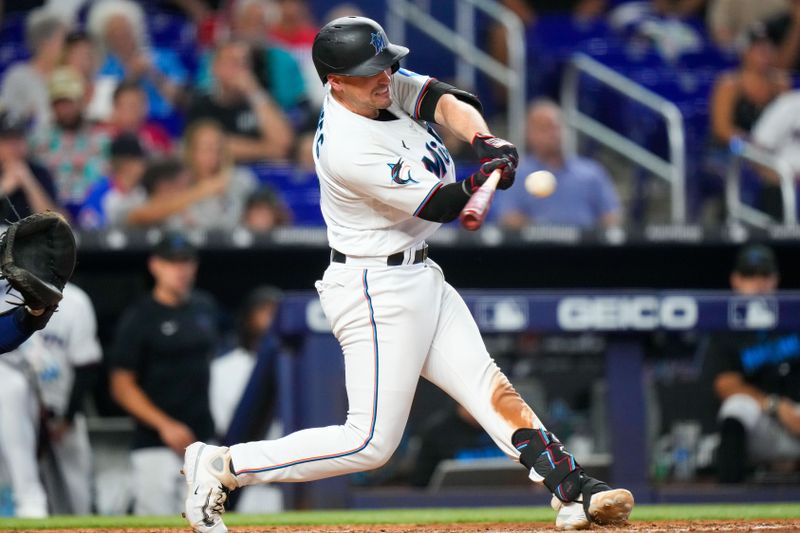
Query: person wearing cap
point(24, 86)
point(27, 185)
point(112, 198)
point(756, 376)
point(74, 150)
point(160, 363)
point(257, 128)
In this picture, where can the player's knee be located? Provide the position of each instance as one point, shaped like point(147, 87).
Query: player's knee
point(741, 407)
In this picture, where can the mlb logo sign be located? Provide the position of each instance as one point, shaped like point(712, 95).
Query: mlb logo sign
point(753, 313)
point(501, 314)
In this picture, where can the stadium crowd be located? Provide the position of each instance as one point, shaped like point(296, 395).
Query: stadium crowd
point(116, 128)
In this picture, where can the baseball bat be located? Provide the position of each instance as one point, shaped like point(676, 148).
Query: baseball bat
point(474, 213)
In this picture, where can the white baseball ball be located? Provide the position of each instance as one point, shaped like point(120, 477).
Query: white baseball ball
point(541, 183)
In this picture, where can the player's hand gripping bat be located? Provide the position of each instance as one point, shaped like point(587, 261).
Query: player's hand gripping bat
point(474, 213)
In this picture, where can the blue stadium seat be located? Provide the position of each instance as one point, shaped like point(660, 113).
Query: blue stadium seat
point(299, 189)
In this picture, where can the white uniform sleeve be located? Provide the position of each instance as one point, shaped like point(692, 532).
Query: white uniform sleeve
point(408, 88)
point(775, 124)
point(83, 346)
point(388, 178)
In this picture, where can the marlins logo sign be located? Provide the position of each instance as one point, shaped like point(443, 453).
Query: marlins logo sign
point(377, 40)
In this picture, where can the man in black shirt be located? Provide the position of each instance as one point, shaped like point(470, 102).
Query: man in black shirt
point(28, 185)
point(756, 375)
point(257, 129)
point(160, 367)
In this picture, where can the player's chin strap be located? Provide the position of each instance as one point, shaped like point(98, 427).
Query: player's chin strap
point(549, 462)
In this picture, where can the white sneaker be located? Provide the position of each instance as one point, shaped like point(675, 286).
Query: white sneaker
point(607, 507)
point(208, 477)
point(570, 517)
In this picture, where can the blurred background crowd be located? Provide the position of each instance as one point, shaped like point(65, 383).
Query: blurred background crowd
point(198, 115)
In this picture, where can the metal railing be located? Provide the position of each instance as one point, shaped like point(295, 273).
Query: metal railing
point(739, 211)
point(672, 171)
point(469, 56)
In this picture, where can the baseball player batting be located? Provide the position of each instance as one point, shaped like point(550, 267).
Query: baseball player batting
point(387, 183)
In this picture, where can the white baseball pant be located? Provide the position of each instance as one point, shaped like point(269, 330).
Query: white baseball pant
point(393, 324)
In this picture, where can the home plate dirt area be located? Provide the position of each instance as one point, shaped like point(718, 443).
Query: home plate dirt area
point(693, 526)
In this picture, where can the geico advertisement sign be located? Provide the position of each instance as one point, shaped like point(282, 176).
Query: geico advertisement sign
point(621, 313)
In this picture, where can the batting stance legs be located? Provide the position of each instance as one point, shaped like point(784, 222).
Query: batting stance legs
point(395, 324)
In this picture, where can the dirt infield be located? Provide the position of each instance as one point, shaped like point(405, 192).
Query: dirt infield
point(693, 526)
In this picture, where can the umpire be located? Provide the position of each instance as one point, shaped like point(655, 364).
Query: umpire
point(160, 367)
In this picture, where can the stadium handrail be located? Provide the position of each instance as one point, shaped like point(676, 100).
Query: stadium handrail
point(672, 171)
point(739, 211)
point(462, 42)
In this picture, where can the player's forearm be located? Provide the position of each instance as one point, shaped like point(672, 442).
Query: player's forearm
point(460, 118)
point(85, 379)
point(445, 204)
point(127, 393)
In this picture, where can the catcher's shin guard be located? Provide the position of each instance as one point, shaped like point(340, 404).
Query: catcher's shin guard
point(548, 461)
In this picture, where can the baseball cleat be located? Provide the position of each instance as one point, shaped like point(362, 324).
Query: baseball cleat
point(209, 479)
point(611, 506)
point(570, 517)
point(608, 507)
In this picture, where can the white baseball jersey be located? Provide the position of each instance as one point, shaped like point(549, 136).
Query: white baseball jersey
point(778, 129)
point(68, 340)
point(375, 175)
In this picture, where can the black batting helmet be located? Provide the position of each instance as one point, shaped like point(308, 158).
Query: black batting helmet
point(354, 46)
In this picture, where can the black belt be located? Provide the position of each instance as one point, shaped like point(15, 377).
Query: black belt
point(391, 260)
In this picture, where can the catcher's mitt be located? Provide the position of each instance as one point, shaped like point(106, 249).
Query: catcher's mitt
point(37, 257)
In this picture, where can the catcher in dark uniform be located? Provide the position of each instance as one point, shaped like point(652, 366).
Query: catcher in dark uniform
point(37, 258)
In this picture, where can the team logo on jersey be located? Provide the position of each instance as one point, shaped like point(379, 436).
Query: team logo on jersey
point(439, 159)
point(376, 40)
point(399, 170)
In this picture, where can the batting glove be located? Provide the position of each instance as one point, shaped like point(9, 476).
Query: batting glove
point(489, 147)
point(474, 182)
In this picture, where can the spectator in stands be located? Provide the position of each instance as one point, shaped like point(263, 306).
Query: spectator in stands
point(275, 69)
point(170, 192)
point(208, 159)
point(257, 128)
point(729, 20)
point(756, 375)
point(160, 365)
point(294, 28)
point(584, 195)
point(81, 53)
point(27, 185)
point(129, 115)
point(265, 211)
point(777, 131)
point(44, 384)
point(739, 97)
point(119, 27)
point(113, 197)
point(24, 87)
point(784, 30)
point(529, 10)
point(74, 151)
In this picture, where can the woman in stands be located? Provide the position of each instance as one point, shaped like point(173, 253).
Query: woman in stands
point(120, 28)
point(207, 158)
point(740, 96)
